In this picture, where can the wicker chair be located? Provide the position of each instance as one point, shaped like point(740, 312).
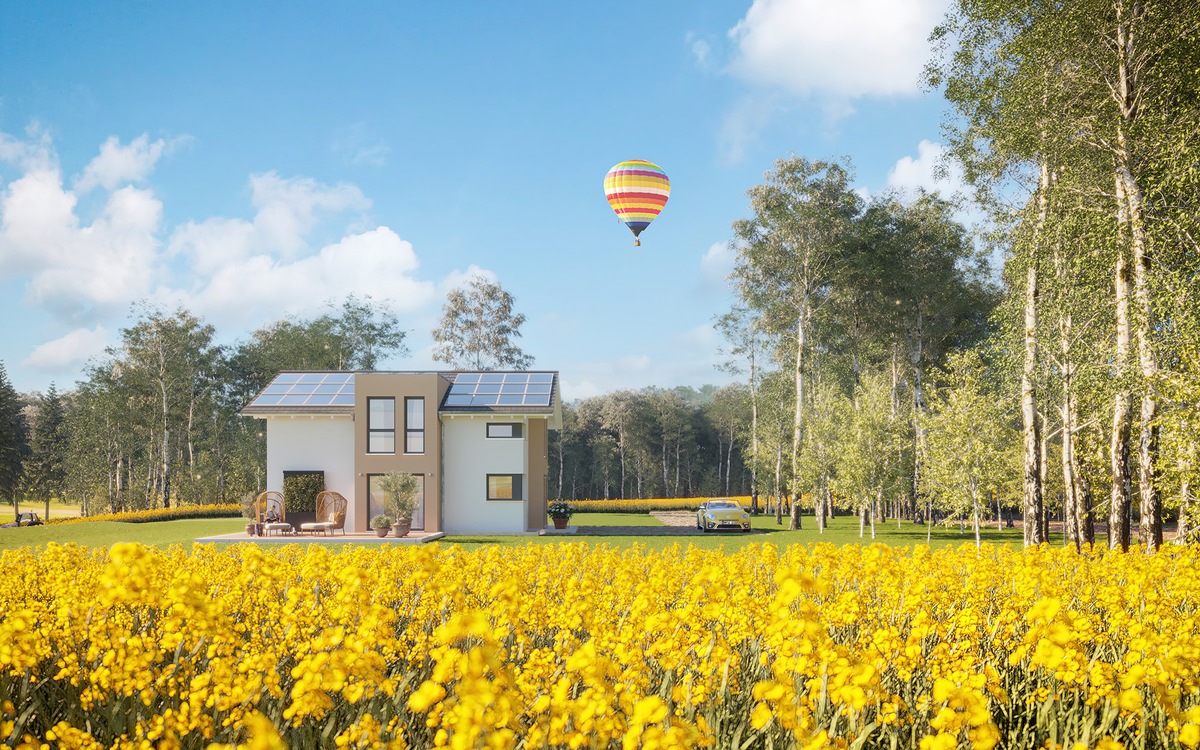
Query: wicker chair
point(331, 514)
point(269, 511)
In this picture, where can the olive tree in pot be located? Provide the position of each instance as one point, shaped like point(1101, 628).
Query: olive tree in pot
point(381, 524)
point(400, 498)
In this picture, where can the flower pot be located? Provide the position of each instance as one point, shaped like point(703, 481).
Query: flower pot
point(249, 529)
point(381, 533)
point(401, 527)
point(560, 523)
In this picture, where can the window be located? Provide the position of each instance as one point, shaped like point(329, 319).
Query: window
point(377, 504)
point(381, 425)
point(504, 430)
point(504, 487)
point(414, 425)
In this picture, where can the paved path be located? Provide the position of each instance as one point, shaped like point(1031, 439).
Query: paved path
point(675, 523)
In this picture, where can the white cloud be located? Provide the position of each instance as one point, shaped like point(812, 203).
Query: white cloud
point(36, 153)
point(120, 165)
point(107, 263)
point(70, 350)
point(717, 262)
point(262, 288)
point(288, 209)
point(76, 270)
point(929, 171)
point(841, 50)
point(306, 243)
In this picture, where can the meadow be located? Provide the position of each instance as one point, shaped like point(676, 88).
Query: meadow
point(841, 530)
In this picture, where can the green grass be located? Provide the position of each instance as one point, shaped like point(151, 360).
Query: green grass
point(842, 530)
point(104, 533)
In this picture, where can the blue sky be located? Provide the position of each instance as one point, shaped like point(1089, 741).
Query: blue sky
point(253, 161)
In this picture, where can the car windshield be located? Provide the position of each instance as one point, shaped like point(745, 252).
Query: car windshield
point(722, 505)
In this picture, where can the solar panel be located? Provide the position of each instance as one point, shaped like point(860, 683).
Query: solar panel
point(484, 389)
point(308, 389)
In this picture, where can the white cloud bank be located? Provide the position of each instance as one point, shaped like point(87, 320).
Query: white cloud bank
point(86, 271)
point(831, 54)
point(843, 49)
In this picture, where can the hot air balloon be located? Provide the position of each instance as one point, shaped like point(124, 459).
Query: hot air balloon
point(637, 190)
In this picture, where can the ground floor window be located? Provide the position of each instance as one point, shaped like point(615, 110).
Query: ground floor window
point(504, 487)
point(376, 504)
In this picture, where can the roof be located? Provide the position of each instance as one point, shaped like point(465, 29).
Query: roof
point(475, 392)
point(305, 393)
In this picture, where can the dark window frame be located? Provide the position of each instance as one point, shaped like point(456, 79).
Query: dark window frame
point(411, 432)
point(380, 431)
point(518, 431)
point(518, 488)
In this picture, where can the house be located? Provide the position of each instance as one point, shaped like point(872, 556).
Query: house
point(477, 440)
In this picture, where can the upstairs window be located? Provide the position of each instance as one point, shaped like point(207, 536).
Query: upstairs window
point(414, 425)
point(504, 429)
point(381, 425)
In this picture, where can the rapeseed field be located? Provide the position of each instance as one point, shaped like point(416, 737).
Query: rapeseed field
point(579, 646)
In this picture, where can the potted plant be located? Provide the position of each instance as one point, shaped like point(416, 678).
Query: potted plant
point(400, 498)
point(560, 511)
point(249, 512)
point(381, 524)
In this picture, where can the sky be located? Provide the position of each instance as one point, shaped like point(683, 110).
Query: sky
point(253, 162)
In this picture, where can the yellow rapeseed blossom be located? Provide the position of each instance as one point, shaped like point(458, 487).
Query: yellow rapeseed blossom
point(582, 646)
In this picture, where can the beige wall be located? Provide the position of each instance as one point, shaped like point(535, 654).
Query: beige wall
point(429, 386)
point(539, 467)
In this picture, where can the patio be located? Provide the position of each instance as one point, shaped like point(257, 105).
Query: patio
point(413, 537)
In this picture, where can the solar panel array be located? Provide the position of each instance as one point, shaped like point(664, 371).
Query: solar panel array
point(308, 389)
point(491, 389)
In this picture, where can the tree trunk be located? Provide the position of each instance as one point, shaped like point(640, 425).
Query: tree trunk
point(1150, 531)
point(1032, 486)
point(753, 435)
point(798, 417)
point(1119, 509)
point(778, 484)
point(916, 357)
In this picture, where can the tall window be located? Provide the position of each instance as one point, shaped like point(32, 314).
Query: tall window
point(381, 425)
point(414, 425)
point(378, 502)
point(504, 487)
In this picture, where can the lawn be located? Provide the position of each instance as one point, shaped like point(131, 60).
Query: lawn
point(841, 530)
point(104, 533)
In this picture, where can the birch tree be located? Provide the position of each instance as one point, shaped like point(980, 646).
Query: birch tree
point(790, 252)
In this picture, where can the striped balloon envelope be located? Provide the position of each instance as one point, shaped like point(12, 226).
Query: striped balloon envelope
point(637, 190)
